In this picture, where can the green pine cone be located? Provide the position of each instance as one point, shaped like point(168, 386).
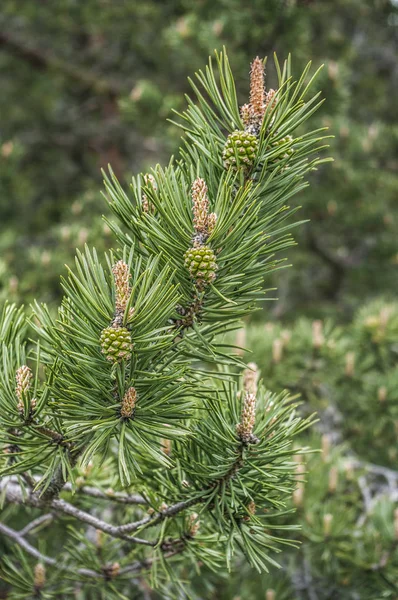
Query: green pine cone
point(116, 343)
point(201, 263)
point(285, 152)
point(240, 149)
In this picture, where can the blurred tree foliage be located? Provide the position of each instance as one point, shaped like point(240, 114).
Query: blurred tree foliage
point(87, 83)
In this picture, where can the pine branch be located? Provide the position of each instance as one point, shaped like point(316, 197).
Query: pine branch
point(112, 496)
point(20, 540)
point(13, 493)
point(47, 518)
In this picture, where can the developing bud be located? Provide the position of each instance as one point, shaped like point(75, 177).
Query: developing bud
point(349, 470)
point(277, 350)
point(244, 429)
point(298, 494)
point(194, 524)
point(121, 273)
point(23, 379)
point(327, 524)
point(39, 576)
point(111, 571)
point(382, 394)
point(270, 595)
point(166, 446)
point(317, 335)
point(128, 403)
point(247, 115)
point(149, 180)
point(250, 378)
point(99, 538)
point(270, 99)
point(251, 509)
point(333, 480)
point(200, 202)
point(349, 364)
point(325, 447)
point(257, 89)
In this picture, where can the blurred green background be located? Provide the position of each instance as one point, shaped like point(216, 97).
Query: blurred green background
point(84, 84)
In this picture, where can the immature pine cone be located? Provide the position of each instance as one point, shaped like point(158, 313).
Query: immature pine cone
point(201, 263)
point(116, 343)
point(240, 149)
point(285, 152)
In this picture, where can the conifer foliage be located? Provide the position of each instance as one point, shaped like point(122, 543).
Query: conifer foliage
point(129, 424)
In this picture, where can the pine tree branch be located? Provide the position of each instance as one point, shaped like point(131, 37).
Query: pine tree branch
point(17, 537)
point(47, 518)
point(118, 497)
point(14, 494)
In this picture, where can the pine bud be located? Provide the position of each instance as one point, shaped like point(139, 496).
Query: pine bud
point(333, 480)
point(166, 446)
point(325, 447)
point(116, 343)
point(349, 470)
point(349, 364)
point(128, 403)
point(270, 595)
point(149, 180)
point(270, 99)
point(121, 273)
point(317, 334)
point(111, 571)
point(240, 341)
point(99, 538)
point(39, 576)
point(240, 149)
point(382, 394)
point(327, 524)
point(277, 350)
point(251, 509)
point(201, 263)
point(200, 202)
point(298, 496)
point(250, 378)
point(211, 222)
point(194, 524)
point(23, 379)
point(244, 429)
point(248, 116)
point(257, 86)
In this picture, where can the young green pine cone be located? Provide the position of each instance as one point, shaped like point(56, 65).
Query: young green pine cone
point(285, 152)
point(201, 263)
point(116, 343)
point(240, 149)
